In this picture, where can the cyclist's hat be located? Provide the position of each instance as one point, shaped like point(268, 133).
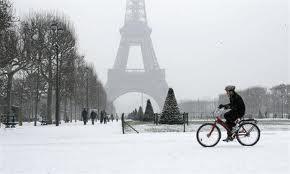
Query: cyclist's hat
point(230, 88)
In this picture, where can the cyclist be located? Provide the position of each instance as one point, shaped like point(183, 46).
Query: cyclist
point(237, 107)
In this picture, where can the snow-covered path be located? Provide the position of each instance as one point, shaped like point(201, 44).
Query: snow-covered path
point(102, 149)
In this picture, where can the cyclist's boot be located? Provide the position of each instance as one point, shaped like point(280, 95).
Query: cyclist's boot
point(228, 139)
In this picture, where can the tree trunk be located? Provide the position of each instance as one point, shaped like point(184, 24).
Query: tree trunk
point(65, 109)
point(75, 103)
point(71, 108)
point(20, 116)
point(31, 111)
point(49, 94)
point(36, 97)
point(49, 103)
point(8, 97)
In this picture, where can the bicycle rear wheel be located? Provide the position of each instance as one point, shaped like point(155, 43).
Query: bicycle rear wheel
point(208, 135)
point(248, 134)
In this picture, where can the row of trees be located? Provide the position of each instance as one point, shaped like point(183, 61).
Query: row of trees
point(29, 50)
point(170, 112)
point(148, 115)
point(260, 102)
point(265, 103)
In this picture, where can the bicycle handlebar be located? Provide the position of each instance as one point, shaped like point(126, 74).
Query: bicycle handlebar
point(217, 111)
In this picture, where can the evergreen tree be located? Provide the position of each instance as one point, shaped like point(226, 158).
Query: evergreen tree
point(140, 114)
point(170, 113)
point(135, 113)
point(149, 113)
point(131, 115)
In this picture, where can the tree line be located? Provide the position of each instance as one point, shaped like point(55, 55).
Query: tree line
point(170, 112)
point(265, 103)
point(260, 103)
point(29, 50)
point(139, 115)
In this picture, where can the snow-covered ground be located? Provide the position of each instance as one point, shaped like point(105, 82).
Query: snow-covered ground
point(102, 149)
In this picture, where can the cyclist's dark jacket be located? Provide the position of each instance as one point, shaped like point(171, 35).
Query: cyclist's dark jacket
point(236, 105)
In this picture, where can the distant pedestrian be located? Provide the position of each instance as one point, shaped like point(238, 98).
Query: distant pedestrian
point(112, 117)
point(102, 117)
point(93, 117)
point(105, 117)
point(85, 116)
point(108, 118)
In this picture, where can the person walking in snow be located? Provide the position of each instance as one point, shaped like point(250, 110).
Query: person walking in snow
point(112, 117)
point(237, 110)
point(102, 117)
point(85, 116)
point(105, 117)
point(93, 117)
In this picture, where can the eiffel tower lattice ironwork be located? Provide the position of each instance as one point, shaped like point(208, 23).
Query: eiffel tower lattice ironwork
point(151, 79)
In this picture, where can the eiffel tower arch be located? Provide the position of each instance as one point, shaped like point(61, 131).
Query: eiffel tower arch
point(151, 79)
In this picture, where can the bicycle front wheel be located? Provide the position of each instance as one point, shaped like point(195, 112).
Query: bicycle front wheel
point(208, 135)
point(248, 134)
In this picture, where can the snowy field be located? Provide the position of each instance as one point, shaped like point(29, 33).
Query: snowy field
point(264, 125)
point(102, 149)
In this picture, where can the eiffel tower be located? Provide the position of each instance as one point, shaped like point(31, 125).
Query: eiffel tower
point(151, 79)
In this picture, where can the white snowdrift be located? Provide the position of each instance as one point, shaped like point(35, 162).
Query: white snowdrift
point(102, 149)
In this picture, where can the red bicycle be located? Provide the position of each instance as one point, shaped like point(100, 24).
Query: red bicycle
point(247, 134)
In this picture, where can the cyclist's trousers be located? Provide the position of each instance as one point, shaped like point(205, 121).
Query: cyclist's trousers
point(231, 117)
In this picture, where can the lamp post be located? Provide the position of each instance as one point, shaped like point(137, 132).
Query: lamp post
point(75, 99)
point(57, 88)
point(56, 30)
point(35, 38)
point(87, 89)
point(37, 91)
point(98, 86)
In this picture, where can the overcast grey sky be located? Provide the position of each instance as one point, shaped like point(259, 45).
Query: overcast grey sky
point(203, 44)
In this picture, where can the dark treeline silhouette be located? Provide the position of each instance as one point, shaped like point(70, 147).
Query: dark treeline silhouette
point(170, 112)
point(136, 115)
point(139, 115)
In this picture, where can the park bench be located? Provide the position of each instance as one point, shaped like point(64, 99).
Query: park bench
point(44, 122)
point(9, 122)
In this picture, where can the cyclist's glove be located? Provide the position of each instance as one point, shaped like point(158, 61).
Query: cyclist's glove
point(227, 107)
point(221, 106)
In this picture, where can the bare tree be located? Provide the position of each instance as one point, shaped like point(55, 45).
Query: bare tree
point(6, 15)
point(28, 65)
point(43, 45)
point(280, 96)
point(16, 59)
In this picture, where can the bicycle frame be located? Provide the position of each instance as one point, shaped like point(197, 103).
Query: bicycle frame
point(219, 121)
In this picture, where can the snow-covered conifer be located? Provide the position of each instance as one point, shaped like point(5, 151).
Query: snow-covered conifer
point(170, 113)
